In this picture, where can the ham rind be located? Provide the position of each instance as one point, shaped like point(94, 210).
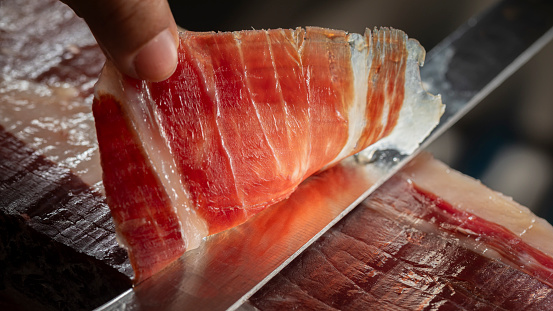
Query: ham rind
point(408, 248)
point(245, 118)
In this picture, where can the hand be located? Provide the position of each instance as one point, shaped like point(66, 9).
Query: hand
point(139, 36)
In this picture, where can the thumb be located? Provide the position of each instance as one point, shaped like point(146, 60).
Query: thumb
point(139, 36)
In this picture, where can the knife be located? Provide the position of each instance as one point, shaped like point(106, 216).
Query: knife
point(230, 266)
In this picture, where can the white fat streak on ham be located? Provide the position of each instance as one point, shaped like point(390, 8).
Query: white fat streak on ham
point(146, 121)
point(468, 194)
point(360, 62)
point(281, 167)
point(214, 93)
point(263, 126)
point(330, 45)
point(299, 42)
point(306, 74)
point(382, 45)
point(203, 63)
point(281, 157)
point(419, 113)
point(362, 56)
point(301, 164)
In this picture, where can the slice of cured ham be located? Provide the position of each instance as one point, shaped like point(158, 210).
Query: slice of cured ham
point(243, 120)
point(428, 239)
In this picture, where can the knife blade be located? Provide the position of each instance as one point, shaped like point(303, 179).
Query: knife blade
point(229, 267)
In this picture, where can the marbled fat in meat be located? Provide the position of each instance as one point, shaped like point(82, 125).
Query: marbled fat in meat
point(244, 119)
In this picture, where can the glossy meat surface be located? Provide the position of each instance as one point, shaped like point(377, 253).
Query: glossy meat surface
point(245, 118)
point(405, 248)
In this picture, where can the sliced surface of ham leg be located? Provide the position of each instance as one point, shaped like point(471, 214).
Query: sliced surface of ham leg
point(423, 241)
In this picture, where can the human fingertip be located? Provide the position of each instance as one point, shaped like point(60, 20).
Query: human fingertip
point(157, 59)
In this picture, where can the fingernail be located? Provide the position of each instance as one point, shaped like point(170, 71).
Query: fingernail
point(157, 59)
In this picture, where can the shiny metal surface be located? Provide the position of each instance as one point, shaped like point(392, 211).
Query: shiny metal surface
point(229, 267)
point(471, 62)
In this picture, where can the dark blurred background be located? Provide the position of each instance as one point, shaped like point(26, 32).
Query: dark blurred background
point(506, 141)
